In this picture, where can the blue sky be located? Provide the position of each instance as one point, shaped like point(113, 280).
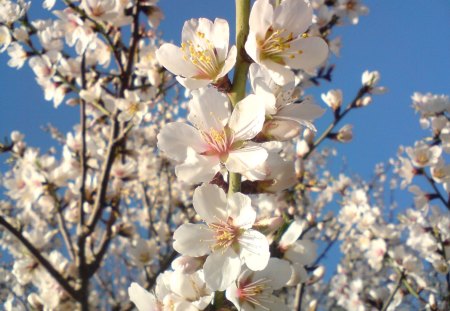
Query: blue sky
point(407, 41)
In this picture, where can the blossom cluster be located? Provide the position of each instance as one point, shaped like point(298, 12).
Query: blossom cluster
point(221, 198)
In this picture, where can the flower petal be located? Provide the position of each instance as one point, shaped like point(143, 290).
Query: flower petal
point(171, 57)
point(210, 202)
point(246, 158)
point(193, 240)
point(293, 16)
point(314, 51)
point(221, 269)
point(209, 109)
point(229, 62)
point(174, 139)
point(254, 250)
point(192, 83)
point(261, 17)
point(220, 36)
point(247, 118)
point(197, 168)
point(142, 299)
point(277, 270)
point(241, 210)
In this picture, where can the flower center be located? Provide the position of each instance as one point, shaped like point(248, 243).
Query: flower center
point(220, 142)
point(422, 158)
point(203, 55)
point(255, 292)
point(277, 45)
point(225, 234)
point(133, 108)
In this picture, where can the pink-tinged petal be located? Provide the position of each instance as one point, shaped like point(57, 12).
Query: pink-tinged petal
point(241, 210)
point(251, 47)
point(277, 270)
point(210, 202)
point(221, 269)
point(193, 240)
point(229, 62)
point(220, 36)
point(314, 51)
point(197, 168)
point(192, 83)
point(261, 17)
point(171, 57)
point(142, 299)
point(254, 249)
point(233, 294)
point(209, 109)
point(293, 15)
point(245, 158)
point(247, 118)
point(175, 138)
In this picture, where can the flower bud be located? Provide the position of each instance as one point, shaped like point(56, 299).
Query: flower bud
point(317, 275)
point(267, 225)
point(312, 305)
point(363, 102)
point(345, 134)
point(333, 99)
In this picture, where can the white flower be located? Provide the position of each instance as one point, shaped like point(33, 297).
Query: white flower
point(226, 237)
point(253, 290)
point(219, 136)
point(423, 155)
point(204, 56)
point(376, 252)
point(277, 40)
point(131, 108)
point(143, 252)
point(284, 116)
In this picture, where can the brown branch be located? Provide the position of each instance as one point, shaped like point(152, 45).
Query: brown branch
point(63, 282)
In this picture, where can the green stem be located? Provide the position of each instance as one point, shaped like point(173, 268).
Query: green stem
point(237, 92)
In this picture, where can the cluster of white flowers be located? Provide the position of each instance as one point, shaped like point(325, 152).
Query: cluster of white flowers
point(220, 200)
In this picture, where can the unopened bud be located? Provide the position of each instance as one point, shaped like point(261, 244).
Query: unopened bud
point(345, 134)
point(312, 306)
point(267, 225)
point(365, 101)
point(309, 135)
point(16, 136)
point(301, 148)
point(317, 275)
point(370, 78)
point(333, 99)
point(432, 302)
point(311, 218)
